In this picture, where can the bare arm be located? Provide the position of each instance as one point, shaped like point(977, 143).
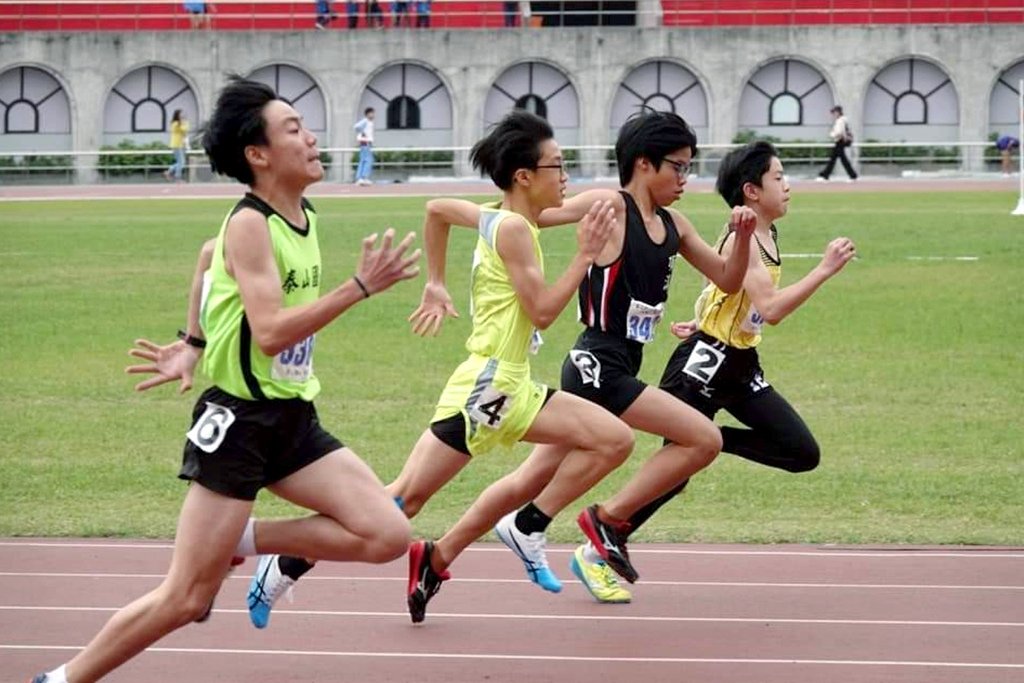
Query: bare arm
point(775, 304)
point(177, 360)
point(725, 270)
point(543, 303)
point(436, 303)
point(275, 327)
point(575, 208)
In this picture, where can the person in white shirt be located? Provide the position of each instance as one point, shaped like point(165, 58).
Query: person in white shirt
point(842, 137)
point(364, 136)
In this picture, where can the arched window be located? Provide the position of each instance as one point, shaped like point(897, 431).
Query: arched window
point(403, 113)
point(533, 104)
point(786, 110)
point(786, 92)
point(911, 92)
point(539, 88)
point(32, 102)
point(143, 100)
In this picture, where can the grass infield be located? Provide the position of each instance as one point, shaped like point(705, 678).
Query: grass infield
point(907, 367)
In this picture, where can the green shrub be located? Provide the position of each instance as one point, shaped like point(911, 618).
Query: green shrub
point(133, 164)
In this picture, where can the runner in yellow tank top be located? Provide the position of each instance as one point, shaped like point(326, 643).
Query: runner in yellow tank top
point(491, 398)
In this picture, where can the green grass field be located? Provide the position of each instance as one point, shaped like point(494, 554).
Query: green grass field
point(910, 372)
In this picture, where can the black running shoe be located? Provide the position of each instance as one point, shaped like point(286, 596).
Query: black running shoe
point(610, 542)
point(41, 678)
point(424, 582)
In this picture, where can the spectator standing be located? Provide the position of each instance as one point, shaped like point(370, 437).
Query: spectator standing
point(179, 146)
point(374, 14)
point(842, 137)
point(423, 13)
point(352, 9)
point(364, 136)
point(511, 13)
point(199, 14)
point(324, 14)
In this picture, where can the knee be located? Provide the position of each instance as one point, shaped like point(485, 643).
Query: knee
point(184, 605)
point(709, 443)
point(616, 446)
point(806, 455)
point(391, 541)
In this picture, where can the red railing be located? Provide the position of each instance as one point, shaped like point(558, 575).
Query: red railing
point(234, 15)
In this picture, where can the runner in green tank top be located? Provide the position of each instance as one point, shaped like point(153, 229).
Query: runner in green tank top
point(257, 427)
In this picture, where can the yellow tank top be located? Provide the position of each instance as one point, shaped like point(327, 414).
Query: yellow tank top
point(732, 318)
point(179, 129)
point(501, 328)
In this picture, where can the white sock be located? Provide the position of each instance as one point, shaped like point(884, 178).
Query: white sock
point(57, 675)
point(590, 554)
point(247, 543)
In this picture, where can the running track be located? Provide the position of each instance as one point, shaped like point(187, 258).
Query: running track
point(757, 614)
point(721, 614)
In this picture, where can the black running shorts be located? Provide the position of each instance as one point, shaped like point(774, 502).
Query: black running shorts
point(236, 447)
point(602, 368)
point(709, 375)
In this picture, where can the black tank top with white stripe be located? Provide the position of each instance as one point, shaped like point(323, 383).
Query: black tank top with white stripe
point(609, 295)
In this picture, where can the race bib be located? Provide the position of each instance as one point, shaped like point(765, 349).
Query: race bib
point(704, 362)
point(753, 323)
point(212, 426)
point(641, 320)
point(490, 407)
point(294, 364)
point(588, 366)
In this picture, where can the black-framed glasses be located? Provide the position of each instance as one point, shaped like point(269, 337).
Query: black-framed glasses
point(560, 167)
point(682, 167)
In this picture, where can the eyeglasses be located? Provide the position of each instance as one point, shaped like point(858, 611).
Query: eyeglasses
point(682, 167)
point(560, 167)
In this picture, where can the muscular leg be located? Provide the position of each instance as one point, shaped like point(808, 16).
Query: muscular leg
point(209, 527)
point(431, 465)
point(694, 443)
point(356, 520)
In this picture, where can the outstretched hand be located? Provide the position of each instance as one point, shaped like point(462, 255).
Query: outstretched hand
point(435, 306)
point(175, 361)
point(381, 267)
point(742, 221)
point(596, 227)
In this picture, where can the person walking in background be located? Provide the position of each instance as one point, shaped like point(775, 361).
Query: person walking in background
point(324, 14)
point(511, 13)
point(199, 14)
point(423, 14)
point(374, 14)
point(400, 13)
point(842, 137)
point(1006, 144)
point(352, 10)
point(364, 136)
point(178, 145)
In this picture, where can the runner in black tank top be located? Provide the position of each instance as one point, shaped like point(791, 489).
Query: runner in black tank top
point(619, 304)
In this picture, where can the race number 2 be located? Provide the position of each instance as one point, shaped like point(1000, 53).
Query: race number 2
point(212, 426)
point(704, 362)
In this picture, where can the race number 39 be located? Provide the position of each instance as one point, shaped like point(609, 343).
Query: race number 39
point(704, 362)
point(210, 429)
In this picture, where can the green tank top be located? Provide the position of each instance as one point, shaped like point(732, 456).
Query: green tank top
point(501, 328)
point(233, 361)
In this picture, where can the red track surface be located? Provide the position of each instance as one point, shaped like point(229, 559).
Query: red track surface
point(775, 614)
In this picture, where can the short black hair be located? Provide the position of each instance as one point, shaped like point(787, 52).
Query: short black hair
point(837, 110)
point(651, 135)
point(367, 110)
point(237, 122)
point(513, 143)
point(741, 166)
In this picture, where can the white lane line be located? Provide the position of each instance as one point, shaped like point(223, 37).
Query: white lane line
point(565, 617)
point(943, 258)
point(639, 549)
point(545, 658)
point(400, 579)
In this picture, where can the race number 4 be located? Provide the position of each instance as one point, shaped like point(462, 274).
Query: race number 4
point(704, 362)
point(490, 408)
point(212, 426)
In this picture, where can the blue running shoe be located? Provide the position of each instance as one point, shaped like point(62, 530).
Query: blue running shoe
point(531, 549)
point(268, 584)
point(41, 678)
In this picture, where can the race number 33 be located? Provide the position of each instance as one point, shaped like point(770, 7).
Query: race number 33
point(212, 426)
point(704, 362)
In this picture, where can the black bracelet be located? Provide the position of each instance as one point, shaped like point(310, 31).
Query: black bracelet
point(190, 340)
point(366, 292)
